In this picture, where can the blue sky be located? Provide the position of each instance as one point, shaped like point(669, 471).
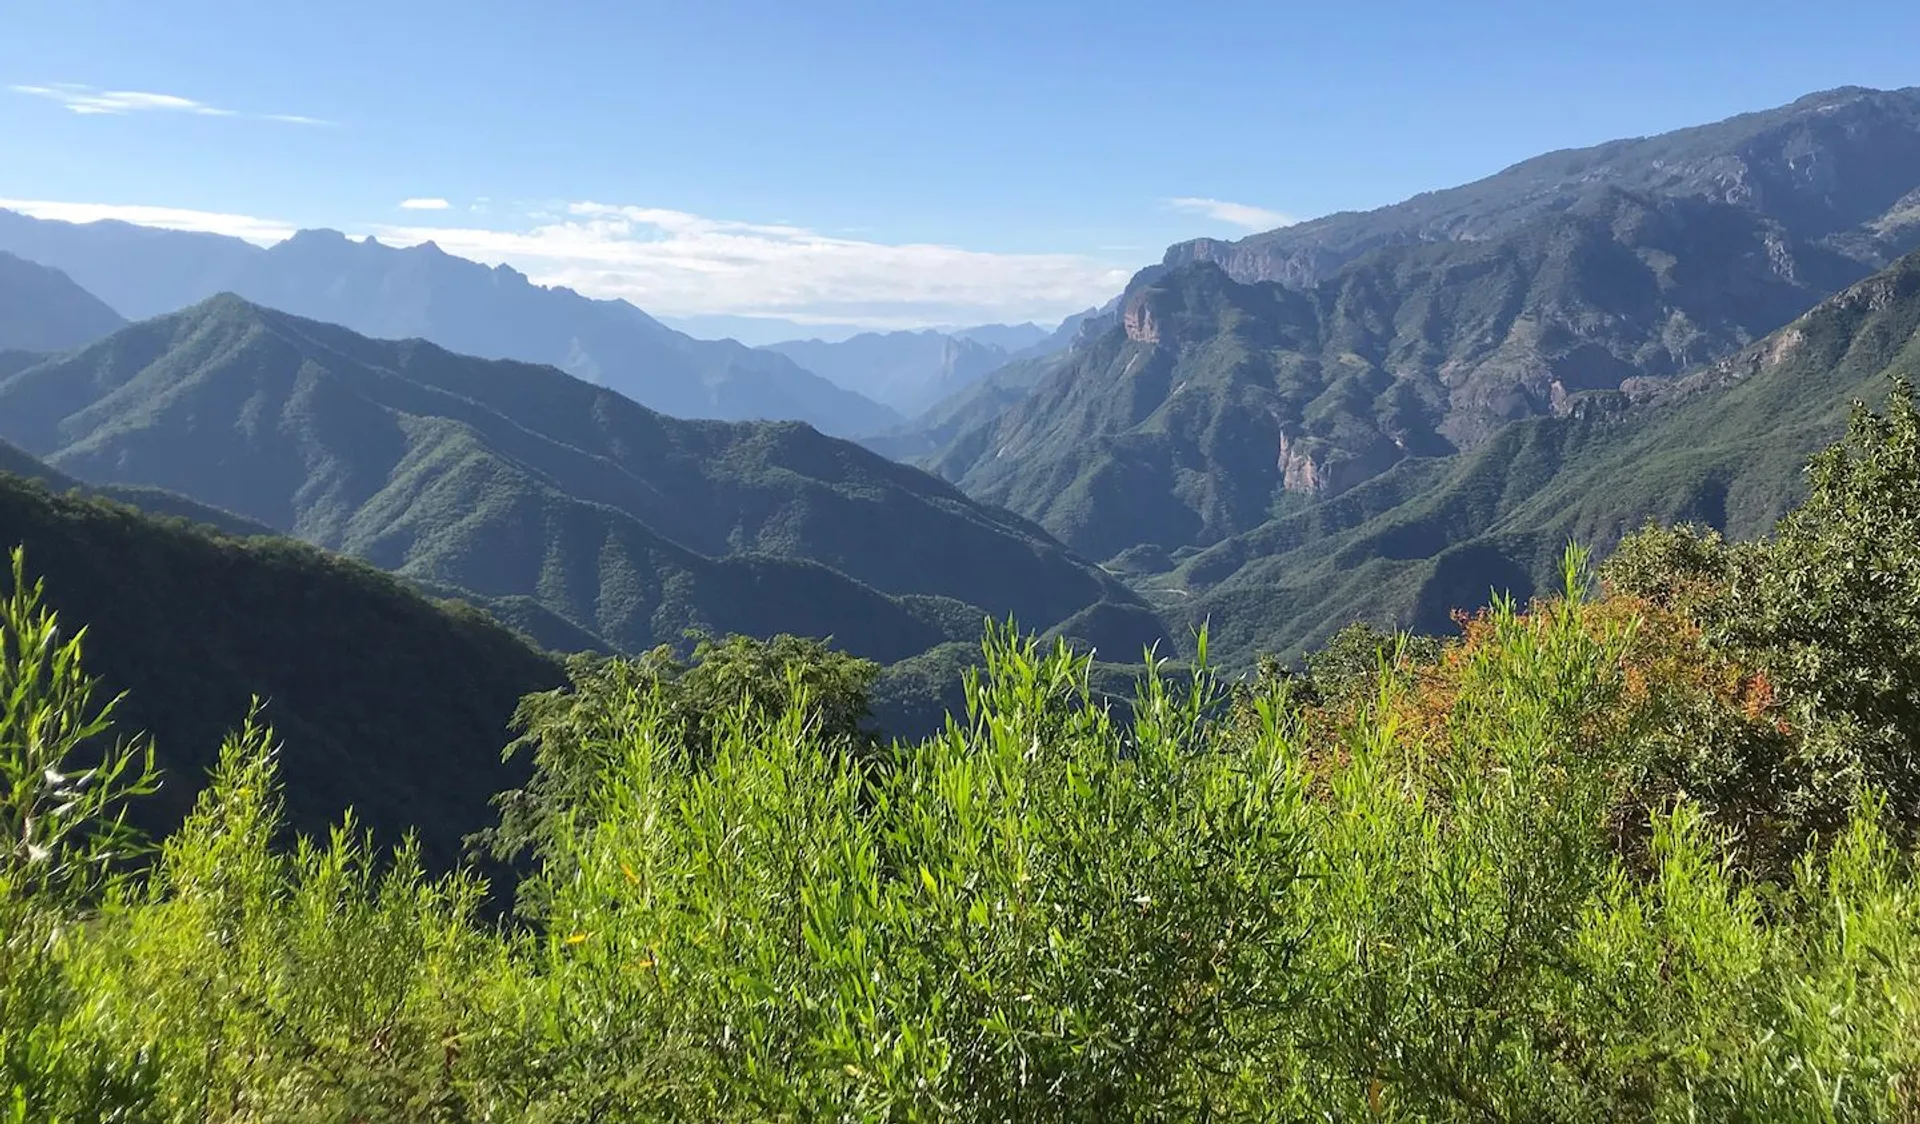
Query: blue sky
point(881, 163)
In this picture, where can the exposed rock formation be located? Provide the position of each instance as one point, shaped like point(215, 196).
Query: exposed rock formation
point(1141, 323)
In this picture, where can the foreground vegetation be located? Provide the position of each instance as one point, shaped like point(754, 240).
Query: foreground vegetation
point(1639, 853)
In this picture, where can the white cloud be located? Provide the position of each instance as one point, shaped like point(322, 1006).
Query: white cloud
point(678, 264)
point(424, 204)
point(91, 102)
point(88, 101)
point(1243, 215)
point(264, 232)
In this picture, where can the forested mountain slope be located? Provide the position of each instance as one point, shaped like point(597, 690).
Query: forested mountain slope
point(515, 481)
point(1723, 446)
point(1214, 405)
point(1248, 380)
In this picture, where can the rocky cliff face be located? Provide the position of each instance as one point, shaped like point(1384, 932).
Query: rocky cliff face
point(1299, 265)
point(1139, 321)
point(1320, 468)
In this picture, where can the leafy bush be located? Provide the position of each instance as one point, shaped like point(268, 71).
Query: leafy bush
point(1826, 613)
point(575, 733)
point(1019, 916)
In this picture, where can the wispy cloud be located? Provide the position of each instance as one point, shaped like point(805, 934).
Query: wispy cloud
point(264, 232)
point(1243, 215)
point(674, 263)
point(424, 204)
point(92, 102)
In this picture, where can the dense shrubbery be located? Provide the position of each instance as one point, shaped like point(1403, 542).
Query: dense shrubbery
point(1639, 854)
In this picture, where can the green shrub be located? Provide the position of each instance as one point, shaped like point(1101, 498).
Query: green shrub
point(1828, 611)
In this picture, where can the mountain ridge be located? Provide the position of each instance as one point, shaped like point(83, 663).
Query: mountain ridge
point(42, 310)
point(1212, 404)
point(513, 480)
point(350, 663)
point(908, 371)
point(1753, 159)
point(423, 292)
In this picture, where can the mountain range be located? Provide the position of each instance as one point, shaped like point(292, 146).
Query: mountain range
point(1378, 415)
point(986, 397)
point(910, 371)
point(1837, 168)
point(572, 512)
point(1247, 404)
point(1213, 400)
point(761, 330)
point(42, 310)
point(1722, 447)
point(422, 292)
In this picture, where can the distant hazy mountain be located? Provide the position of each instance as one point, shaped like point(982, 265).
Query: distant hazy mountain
point(138, 270)
point(758, 331)
point(907, 371)
point(1010, 338)
point(912, 372)
point(949, 427)
point(421, 292)
point(42, 310)
point(938, 430)
point(1063, 337)
point(524, 486)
